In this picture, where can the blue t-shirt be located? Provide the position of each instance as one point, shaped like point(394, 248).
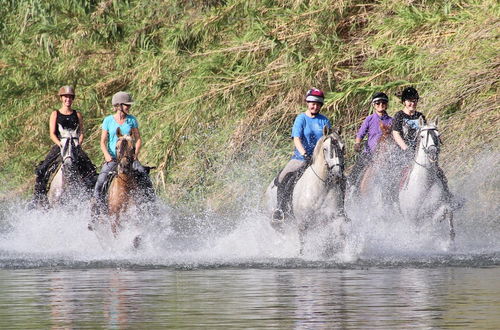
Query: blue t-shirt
point(110, 125)
point(309, 130)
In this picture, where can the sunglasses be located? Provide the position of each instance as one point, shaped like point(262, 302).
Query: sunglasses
point(380, 102)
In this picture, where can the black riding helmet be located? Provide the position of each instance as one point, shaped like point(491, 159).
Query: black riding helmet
point(409, 93)
point(380, 96)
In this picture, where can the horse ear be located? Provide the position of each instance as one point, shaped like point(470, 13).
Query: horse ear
point(338, 130)
point(61, 129)
point(421, 121)
point(118, 132)
point(436, 121)
point(326, 130)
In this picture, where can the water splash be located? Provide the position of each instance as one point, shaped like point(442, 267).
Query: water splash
point(59, 237)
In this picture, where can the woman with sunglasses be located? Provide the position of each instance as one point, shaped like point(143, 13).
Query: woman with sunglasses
point(370, 127)
point(69, 119)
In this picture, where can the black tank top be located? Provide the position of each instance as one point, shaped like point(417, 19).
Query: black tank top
point(66, 121)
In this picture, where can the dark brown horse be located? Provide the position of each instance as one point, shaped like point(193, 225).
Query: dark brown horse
point(120, 193)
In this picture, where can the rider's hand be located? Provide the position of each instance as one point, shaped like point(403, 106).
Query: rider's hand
point(108, 158)
point(357, 147)
point(307, 157)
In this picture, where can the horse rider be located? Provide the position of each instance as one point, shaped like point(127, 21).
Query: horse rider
point(307, 130)
point(405, 129)
point(70, 119)
point(128, 124)
point(370, 127)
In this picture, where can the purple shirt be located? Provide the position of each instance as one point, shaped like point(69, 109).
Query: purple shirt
point(371, 127)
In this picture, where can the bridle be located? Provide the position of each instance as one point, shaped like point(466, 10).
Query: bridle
point(64, 150)
point(334, 146)
point(433, 149)
point(124, 153)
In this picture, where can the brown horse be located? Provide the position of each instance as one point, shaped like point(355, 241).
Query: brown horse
point(120, 193)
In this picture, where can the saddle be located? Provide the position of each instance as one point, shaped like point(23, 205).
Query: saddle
point(112, 174)
point(105, 187)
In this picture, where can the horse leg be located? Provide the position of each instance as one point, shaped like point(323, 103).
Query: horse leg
point(302, 233)
point(449, 216)
point(363, 185)
point(115, 223)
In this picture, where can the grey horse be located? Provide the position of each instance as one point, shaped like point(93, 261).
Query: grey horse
point(423, 197)
point(318, 196)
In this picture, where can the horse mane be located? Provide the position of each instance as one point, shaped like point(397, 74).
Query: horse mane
point(317, 148)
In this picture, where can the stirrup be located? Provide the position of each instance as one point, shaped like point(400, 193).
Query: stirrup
point(278, 216)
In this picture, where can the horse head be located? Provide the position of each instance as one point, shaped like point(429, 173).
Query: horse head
point(125, 152)
point(428, 140)
point(385, 129)
point(330, 150)
point(69, 153)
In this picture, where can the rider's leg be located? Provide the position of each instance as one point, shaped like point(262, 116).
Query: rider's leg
point(87, 169)
point(357, 170)
point(444, 182)
point(285, 185)
point(97, 202)
point(41, 179)
point(144, 180)
point(101, 179)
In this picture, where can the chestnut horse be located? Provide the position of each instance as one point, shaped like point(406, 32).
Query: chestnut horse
point(120, 194)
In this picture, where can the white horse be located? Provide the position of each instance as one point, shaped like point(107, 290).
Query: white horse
point(66, 176)
point(318, 196)
point(423, 196)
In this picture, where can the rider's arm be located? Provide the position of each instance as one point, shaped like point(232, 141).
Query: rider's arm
point(399, 140)
point(138, 141)
point(361, 134)
point(52, 128)
point(104, 146)
point(397, 130)
point(80, 127)
point(299, 146)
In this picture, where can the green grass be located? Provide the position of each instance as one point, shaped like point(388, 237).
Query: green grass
point(217, 83)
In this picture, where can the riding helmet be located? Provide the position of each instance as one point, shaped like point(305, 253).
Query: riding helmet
point(315, 95)
point(122, 98)
point(66, 90)
point(409, 93)
point(380, 96)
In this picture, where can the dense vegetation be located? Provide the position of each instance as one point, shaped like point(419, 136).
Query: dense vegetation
point(217, 83)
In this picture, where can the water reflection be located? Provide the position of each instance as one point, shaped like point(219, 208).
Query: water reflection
point(250, 298)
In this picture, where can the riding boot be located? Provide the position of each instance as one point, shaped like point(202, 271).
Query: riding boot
point(284, 195)
point(279, 213)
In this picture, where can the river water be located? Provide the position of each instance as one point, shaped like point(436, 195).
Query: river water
point(238, 272)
